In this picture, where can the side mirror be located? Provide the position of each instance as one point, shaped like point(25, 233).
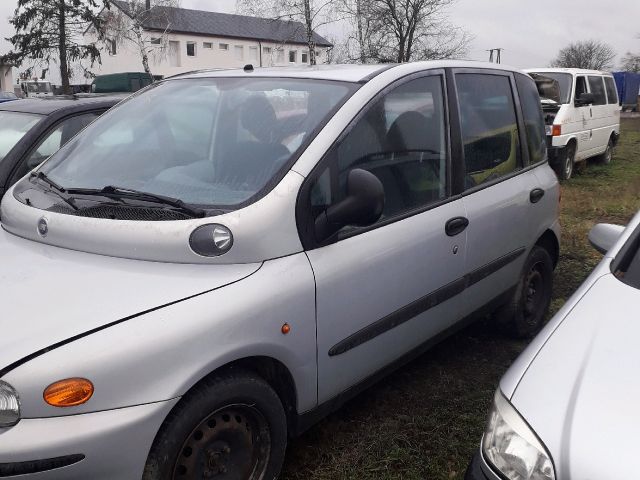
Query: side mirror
point(362, 206)
point(585, 99)
point(603, 236)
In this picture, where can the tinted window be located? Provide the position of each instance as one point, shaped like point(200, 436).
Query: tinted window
point(54, 140)
point(401, 139)
point(612, 91)
point(581, 86)
point(489, 127)
point(212, 142)
point(596, 84)
point(533, 118)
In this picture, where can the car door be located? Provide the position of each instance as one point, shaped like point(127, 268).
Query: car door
point(383, 290)
point(51, 141)
point(599, 115)
point(496, 194)
point(582, 120)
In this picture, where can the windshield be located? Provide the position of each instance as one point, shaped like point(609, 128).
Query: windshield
point(39, 87)
point(208, 142)
point(565, 80)
point(14, 126)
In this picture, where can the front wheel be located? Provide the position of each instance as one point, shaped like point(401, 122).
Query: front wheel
point(523, 315)
point(229, 427)
point(565, 170)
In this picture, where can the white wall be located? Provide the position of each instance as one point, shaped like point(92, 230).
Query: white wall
point(238, 54)
point(6, 79)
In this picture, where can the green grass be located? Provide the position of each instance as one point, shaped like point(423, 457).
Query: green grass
point(425, 420)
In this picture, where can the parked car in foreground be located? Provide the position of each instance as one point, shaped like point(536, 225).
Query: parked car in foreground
point(221, 260)
point(586, 123)
point(568, 407)
point(7, 97)
point(33, 129)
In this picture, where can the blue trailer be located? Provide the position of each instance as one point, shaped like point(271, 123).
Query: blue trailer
point(628, 84)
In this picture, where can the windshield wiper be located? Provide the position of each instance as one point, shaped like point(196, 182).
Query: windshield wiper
point(55, 188)
point(121, 193)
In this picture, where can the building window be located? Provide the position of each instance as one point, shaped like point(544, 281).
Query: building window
point(238, 52)
point(280, 55)
point(253, 53)
point(207, 45)
point(266, 50)
point(113, 47)
point(293, 56)
point(305, 57)
point(191, 49)
point(156, 41)
point(223, 46)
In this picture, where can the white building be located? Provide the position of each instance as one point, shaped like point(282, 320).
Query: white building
point(200, 40)
point(6, 78)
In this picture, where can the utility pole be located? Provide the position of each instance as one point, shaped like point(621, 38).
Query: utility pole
point(498, 51)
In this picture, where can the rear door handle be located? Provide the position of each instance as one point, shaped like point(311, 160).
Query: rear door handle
point(456, 225)
point(536, 195)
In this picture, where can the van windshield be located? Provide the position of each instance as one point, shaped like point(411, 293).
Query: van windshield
point(214, 142)
point(565, 80)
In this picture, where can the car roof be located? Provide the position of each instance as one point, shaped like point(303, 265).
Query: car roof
point(345, 73)
point(49, 105)
point(578, 71)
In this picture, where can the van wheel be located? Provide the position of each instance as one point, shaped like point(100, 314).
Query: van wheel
point(229, 427)
point(607, 156)
point(523, 315)
point(565, 172)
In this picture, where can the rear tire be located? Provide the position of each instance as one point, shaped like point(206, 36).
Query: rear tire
point(231, 426)
point(567, 164)
point(523, 316)
point(607, 156)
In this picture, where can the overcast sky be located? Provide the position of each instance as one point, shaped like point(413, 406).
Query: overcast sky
point(530, 32)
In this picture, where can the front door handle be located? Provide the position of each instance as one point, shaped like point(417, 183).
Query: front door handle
point(536, 195)
point(456, 225)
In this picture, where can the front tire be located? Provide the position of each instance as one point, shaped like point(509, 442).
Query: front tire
point(229, 427)
point(523, 316)
point(566, 167)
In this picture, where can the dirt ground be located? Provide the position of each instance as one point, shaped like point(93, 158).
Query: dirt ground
point(425, 421)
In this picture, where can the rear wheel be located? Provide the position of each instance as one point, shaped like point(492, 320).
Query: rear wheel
point(230, 427)
point(607, 156)
point(523, 315)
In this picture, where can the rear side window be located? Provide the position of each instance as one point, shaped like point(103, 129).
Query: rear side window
point(533, 118)
point(612, 91)
point(596, 84)
point(489, 127)
point(581, 86)
point(402, 140)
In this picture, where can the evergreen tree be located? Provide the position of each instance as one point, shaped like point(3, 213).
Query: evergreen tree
point(49, 30)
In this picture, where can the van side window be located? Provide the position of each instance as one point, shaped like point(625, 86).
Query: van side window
point(581, 86)
point(612, 91)
point(596, 84)
point(533, 118)
point(489, 127)
point(402, 140)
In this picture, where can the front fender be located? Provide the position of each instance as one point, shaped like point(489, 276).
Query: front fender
point(161, 355)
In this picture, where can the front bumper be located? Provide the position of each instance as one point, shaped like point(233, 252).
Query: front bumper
point(112, 444)
point(479, 470)
point(555, 154)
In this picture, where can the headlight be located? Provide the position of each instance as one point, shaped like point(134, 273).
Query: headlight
point(512, 448)
point(9, 405)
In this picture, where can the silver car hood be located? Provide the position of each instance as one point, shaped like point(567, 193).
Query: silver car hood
point(50, 294)
point(581, 392)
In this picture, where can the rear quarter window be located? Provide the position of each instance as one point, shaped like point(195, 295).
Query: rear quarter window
point(533, 118)
point(612, 91)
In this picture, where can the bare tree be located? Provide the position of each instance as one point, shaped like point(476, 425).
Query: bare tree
point(404, 30)
point(311, 13)
point(589, 54)
point(125, 26)
point(631, 62)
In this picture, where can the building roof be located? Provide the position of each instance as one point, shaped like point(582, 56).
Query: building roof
point(182, 20)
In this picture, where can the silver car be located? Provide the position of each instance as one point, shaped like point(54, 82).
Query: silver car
point(568, 407)
point(227, 256)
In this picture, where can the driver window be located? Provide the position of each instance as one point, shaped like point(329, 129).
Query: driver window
point(401, 139)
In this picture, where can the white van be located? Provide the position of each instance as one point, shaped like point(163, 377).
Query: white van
point(37, 88)
point(585, 122)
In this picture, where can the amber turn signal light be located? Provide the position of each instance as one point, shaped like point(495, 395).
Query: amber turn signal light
point(556, 130)
point(69, 392)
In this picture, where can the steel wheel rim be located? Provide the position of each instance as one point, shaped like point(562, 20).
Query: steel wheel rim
point(232, 443)
point(568, 164)
point(608, 154)
point(534, 288)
